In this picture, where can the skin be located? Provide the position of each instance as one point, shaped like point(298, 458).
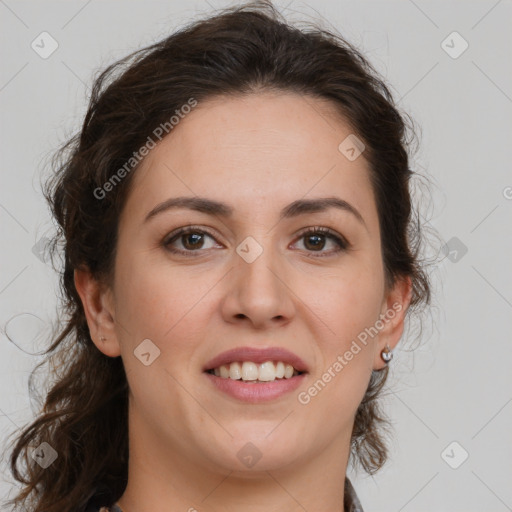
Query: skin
point(184, 433)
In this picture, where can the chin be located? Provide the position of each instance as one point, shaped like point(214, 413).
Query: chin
point(251, 457)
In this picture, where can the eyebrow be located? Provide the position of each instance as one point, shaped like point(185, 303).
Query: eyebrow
point(217, 208)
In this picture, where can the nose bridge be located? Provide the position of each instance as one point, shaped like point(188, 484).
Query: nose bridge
point(259, 290)
point(258, 265)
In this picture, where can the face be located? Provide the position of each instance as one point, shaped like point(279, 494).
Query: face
point(255, 273)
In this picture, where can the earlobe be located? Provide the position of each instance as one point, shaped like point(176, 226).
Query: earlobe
point(393, 315)
point(98, 308)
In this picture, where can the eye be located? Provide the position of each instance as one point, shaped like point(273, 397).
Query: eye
point(316, 239)
point(190, 238)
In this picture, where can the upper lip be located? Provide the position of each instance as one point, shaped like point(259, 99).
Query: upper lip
point(258, 356)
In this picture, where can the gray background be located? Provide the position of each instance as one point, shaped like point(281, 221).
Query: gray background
point(456, 384)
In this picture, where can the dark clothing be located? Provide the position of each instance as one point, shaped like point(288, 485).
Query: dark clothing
point(102, 500)
point(351, 501)
point(102, 497)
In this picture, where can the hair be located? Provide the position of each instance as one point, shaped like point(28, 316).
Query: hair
point(240, 50)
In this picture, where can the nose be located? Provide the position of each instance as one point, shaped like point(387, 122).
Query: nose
point(259, 292)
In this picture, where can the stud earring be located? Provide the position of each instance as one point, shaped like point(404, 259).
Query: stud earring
point(386, 354)
point(102, 338)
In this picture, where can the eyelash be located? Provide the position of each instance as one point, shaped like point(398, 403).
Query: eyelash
point(341, 242)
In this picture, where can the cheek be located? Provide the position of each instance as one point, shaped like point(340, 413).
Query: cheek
point(149, 295)
point(347, 308)
point(162, 305)
point(347, 300)
point(347, 304)
point(165, 304)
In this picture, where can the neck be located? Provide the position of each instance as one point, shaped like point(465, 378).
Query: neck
point(165, 473)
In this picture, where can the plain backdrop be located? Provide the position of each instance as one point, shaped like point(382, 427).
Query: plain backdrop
point(448, 64)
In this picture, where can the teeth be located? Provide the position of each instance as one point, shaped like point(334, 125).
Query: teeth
point(252, 372)
point(235, 371)
point(249, 371)
point(280, 370)
point(267, 372)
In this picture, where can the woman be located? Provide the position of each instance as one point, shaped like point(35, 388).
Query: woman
point(241, 254)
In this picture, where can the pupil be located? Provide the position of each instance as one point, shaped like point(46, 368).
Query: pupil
point(196, 237)
point(318, 243)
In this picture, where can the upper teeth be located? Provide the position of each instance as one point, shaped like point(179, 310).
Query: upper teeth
point(265, 372)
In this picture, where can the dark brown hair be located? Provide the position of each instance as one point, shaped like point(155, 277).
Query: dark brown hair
point(241, 50)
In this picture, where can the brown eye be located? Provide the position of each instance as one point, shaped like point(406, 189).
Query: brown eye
point(190, 239)
point(316, 239)
point(314, 242)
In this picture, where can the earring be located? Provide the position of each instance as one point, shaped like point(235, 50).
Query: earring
point(386, 354)
point(102, 338)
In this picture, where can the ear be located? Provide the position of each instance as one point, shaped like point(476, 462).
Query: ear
point(394, 308)
point(98, 303)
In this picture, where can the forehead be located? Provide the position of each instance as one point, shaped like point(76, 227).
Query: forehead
point(246, 148)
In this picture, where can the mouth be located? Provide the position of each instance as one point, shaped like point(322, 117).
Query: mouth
point(254, 373)
point(254, 383)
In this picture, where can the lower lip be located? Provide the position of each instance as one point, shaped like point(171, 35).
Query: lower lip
point(256, 392)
